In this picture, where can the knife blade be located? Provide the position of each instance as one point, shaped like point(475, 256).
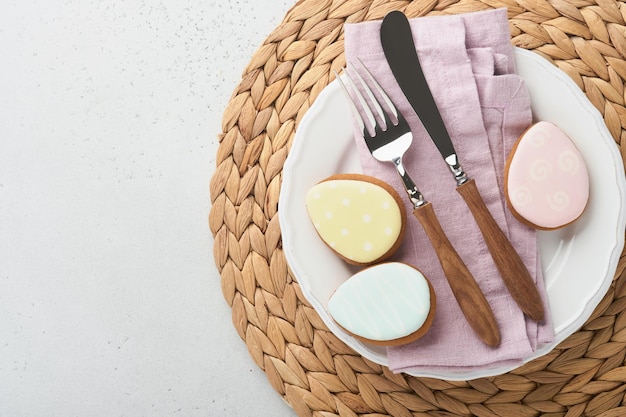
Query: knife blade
point(397, 41)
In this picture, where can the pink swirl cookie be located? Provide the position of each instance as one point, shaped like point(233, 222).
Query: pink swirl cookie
point(546, 181)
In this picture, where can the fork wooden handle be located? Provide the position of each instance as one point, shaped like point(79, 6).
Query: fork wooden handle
point(512, 270)
point(468, 294)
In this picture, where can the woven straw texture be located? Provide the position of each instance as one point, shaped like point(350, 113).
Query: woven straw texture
point(315, 372)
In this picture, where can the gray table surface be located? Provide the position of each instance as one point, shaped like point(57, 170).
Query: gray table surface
point(110, 304)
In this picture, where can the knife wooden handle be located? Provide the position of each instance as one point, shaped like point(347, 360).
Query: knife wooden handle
point(468, 294)
point(512, 270)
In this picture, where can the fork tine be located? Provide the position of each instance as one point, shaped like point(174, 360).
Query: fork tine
point(372, 99)
point(365, 107)
point(355, 111)
point(372, 117)
point(380, 91)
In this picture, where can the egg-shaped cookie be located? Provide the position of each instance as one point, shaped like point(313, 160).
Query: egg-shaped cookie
point(361, 218)
point(387, 304)
point(546, 179)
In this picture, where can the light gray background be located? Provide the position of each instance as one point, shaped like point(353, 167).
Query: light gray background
point(110, 304)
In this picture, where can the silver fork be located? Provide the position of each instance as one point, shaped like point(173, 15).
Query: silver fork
point(388, 136)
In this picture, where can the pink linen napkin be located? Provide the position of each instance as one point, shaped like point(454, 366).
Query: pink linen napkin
point(469, 64)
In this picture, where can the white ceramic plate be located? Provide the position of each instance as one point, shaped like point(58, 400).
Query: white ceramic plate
point(579, 261)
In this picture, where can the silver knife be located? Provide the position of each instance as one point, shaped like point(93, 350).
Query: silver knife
point(397, 41)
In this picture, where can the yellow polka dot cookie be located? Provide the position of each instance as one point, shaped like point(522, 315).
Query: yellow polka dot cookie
point(359, 217)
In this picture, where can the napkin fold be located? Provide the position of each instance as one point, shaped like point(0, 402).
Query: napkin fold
point(469, 64)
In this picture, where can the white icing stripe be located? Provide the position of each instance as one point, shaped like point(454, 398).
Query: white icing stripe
point(414, 297)
point(386, 297)
point(369, 305)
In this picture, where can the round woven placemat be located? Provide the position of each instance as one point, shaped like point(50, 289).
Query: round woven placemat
point(313, 370)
